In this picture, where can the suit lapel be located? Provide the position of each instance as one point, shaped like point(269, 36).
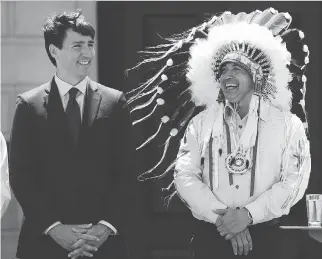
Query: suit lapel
point(91, 104)
point(91, 107)
point(56, 116)
point(46, 100)
point(57, 120)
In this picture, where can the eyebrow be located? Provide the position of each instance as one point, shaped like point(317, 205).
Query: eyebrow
point(233, 64)
point(81, 42)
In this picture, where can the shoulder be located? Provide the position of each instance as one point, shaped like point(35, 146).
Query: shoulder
point(295, 129)
point(202, 123)
point(36, 94)
point(272, 114)
point(202, 116)
point(205, 118)
point(107, 93)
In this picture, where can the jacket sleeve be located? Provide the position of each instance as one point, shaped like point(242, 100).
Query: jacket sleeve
point(119, 198)
point(24, 169)
point(5, 187)
point(294, 177)
point(188, 179)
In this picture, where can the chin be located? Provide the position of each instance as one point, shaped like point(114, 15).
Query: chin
point(82, 74)
point(232, 100)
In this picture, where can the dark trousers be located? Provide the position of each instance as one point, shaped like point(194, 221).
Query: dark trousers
point(113, 248)
point(312, 249)
point(269, 242)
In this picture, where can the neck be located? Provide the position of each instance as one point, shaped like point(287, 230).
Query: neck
point(68, 78)
point(243, 111)
point(243, 106)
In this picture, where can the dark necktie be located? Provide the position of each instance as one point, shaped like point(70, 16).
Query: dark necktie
point(73, 115)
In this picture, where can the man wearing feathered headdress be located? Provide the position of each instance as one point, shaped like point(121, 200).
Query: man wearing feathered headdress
point(244, 161)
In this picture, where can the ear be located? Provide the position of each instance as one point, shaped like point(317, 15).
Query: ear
point(53, 51)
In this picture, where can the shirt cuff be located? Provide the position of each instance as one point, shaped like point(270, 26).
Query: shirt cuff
point(53, 225)
point(108, 225)
point(257, 214)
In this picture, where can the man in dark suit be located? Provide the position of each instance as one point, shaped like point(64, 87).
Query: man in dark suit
point(70, 156)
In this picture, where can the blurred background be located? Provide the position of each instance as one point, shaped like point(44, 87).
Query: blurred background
point(123, 28)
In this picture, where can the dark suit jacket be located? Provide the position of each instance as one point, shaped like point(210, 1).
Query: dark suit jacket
point(55, 181)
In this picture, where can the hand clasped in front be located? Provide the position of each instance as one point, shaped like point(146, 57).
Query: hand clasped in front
point(233, 225)
point(80, 240)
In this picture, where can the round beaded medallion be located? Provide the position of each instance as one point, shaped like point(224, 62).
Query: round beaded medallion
point(238, 164)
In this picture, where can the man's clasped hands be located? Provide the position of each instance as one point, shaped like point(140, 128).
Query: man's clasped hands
point(233, 224)
point(80, 240)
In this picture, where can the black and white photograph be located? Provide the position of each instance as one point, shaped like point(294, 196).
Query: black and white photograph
point(161, 129)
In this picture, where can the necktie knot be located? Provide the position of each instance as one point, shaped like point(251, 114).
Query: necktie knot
point(73, 92)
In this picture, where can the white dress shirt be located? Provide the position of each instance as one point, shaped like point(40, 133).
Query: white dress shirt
point(63, 89)
point(283, 167)
point(5, 187)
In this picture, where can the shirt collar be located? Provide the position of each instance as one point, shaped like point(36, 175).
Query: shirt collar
point(64, 87)
point(263, 114)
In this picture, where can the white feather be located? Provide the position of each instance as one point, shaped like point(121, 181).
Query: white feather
point(203, 85)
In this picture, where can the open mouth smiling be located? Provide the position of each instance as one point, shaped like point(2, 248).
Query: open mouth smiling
point(231, 86)
point(84, 62)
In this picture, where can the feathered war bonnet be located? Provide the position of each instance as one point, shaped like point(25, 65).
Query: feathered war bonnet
point(261, 42)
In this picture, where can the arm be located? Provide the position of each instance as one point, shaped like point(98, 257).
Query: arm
point(296, 168)
point(119, 198)
point(5, 187)
point(188, 179)
point(24, 169)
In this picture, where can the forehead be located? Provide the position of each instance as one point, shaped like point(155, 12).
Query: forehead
point(230, 64)
point(72, 36)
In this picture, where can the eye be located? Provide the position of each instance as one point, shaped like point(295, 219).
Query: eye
point(222, 70)
point(76, 46)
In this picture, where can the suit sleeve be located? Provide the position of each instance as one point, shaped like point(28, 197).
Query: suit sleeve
point(5, 187)
point(120, 199)
point(24, 169)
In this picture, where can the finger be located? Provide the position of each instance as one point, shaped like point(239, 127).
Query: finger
point(85, 253)
point(224, 231)
point(220, 211)
point(76, 253)
point(85, 226)
point(245, 242)
point(234, 245)
point(219, 221)
point(78, 243)
point(79, 230)
point(88, 237)
point(221, 228)
point(240, 245)
point(229, 236)
point(79, 252)
point(249, 238)
point(89, 248)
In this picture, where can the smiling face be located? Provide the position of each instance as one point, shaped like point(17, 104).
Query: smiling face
point(236, 83)
point(74, 58)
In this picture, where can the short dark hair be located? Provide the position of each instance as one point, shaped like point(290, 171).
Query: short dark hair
point(56, 26)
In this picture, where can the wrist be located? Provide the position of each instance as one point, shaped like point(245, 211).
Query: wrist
point(106, 228)
point(249, 216)
point(54, 229)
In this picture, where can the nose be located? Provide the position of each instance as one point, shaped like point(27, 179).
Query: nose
point(227, 74)
point(88, 52)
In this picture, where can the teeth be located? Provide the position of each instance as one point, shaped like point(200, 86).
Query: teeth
point(84, 62)
point(231, 85)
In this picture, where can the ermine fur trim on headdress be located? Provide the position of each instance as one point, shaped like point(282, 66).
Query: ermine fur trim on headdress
point(204, 85)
